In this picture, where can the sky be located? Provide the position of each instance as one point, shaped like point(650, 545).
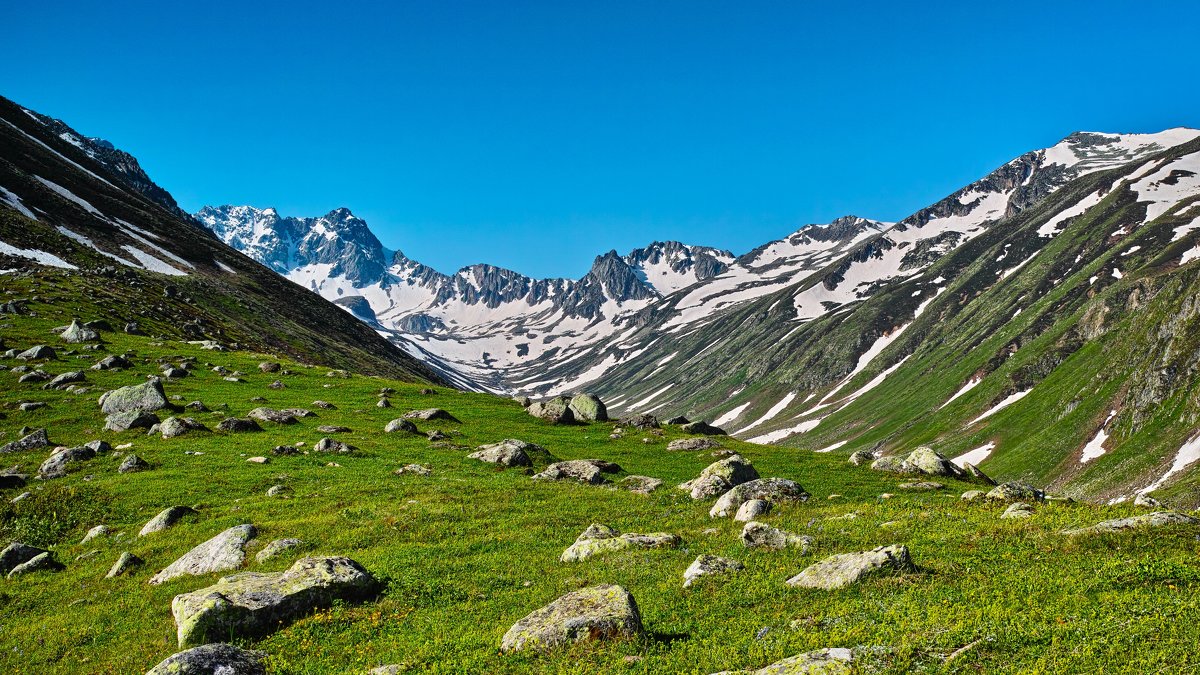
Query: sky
point(537, 135)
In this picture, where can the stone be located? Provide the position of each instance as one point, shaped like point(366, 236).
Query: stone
point(774, 490)
point(1156, 519)
point(702, 443)
point(1015, 491)
point(285, 450)
point(509, 452)
point(324, 405)
point(555, 410)
point(21, 497)
point(224, 552)
point(16, 554)
point(588, 408)
point(124, 563)
point(299, 413)
point(252, 604)
point(258, 460)
point(430, 414)
point(56, 466)
point(235, 425)
point(146, 397)
point(174, 373)
point(31, 441)
point(972, 495)
point(415, 469)
point(702, 427)
point(977, 473)
point(11, 481)
point(400, 425)
point(42, 562)
point(923, 485)
point(270, 367)
point(642, 485)
point(271, 415)
point(678, 420)
point(837, 661)
point(213, 659)
point(1017, 510)
point(523, 400)
point(130, 419)
point(383, 403)
point(752, 509)
point(31, 406)
point(708, 565)
point(719, 477)
point(61, 380)
point(1148, 502)
point(599, 538)
point(435, 436)
point(112, 362)
point(77, 333)
point(166, 518)
point(94, 533)
point(589, 471)
point(332, 429)
point(595, 613)
point(761, 535)
point(277, 490)
point(932, 463)
point(277, 385)
point(844, 569)
point(198, 406)
point(37, 353)
point(277, 547)
point(641, 422)
point(330, 445)
point(34, 376)
point(173, 427)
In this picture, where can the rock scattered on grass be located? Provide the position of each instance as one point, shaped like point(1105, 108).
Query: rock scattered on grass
point(400, 424)
point(719, 477)
point(130, 419)
point(126, 562)
point(213, 659)
point(642, 485)
point(760, 535)
point(236, 425)
point(146, 397)
point(224, 552)
point(334, 446)
point(16, 554)
point(774, 490)
point(595, 613)
point(589, 471)
point(430, 414)
point(276, 548)
point(708, 565)
point(31, 441)
point(752, 509)
point(844, 569)
point(1015, 491)
point(701, 443)
point(1017, 510)
point(1157, 519)
point(166, 518)
point(597, 539)
point(509, 452)
point(702, 427)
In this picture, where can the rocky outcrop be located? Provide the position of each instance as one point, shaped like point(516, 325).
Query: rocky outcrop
point(844, 569)
point(597, 539)
point(924, 461)
point(509, 452)
point(222, 553)
point(31, 441)
point(774, 490)
point(588, 408)
point(146, 397)
point(1015, 491)
point(702, 427)
point(1157, 519)
point(589, 471)
point(213, 659)
point(595, 613)
point(719, 477)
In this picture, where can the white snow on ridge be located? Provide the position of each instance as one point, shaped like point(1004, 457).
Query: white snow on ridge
point(1011, 399)
point(14, 201)
point(651, 397)
point(971, 384)
point(732, 414)
point(975, 456)
point(831, 448)
point(780, 434)
point(771, 413)
point(1121, 149)
point(151, 263)
point(1051, 227)
point(1163, 191)
point(1185, 457)
point(40, 257)
point(1095, 447)
point(70, 196)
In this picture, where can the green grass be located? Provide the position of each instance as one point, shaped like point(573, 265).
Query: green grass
point(468, 551)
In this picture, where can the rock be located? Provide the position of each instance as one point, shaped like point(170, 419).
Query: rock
point(702, 443)
point(1017, 510)
point(257, 460)
point(702, 427)
point(277, 490)
point(126, 562)
point(555, 410)
point(523, 400)
point(678, 420)
point(270, 367)
point(112, 362)
point(599, 538)
point(31, 406)
point(509, 452)
point(922, 485)
point(277, 385)
point(774, 490)
point(166, 518)
point(324, 405)
point(931, 463)
point(583, 470)
point(76, 333)
point(298, 413)
point(760, 535)
point(332, 429)
point(30, 441)
point(56, 465)
point(972, 495)
point(435, 436)
point(95, 532)
point(417, 469)
point(224, 552)
point(16, 554)
point(400, 425)
point(198, 406)
point(642, 485)
point(285, 450)
point(37, 353)
point(719, 477)
point(707, 565)
point(430, 414)
point(235, 425)
point(844, 569)
point(838, 661)
point(1015, 491)
point(271, 415)
point(21, 497)
point(146, 397)
point(588, 408)
point(130, 419)
point(383, 403)
point(1147, 502)
point(132, 328)
point(1156, 519)
point(330, 445)
point(173, 427)
point(11, 481)
point(594, 613)
point(42, 562)
point(752, 509)
point(977, 473)
point(640, 421)
point(251, 604)
point(393, 669)
point(277, 547)
point(174, 373)
point(61, 380)
point(213, 659)
point(35, 376)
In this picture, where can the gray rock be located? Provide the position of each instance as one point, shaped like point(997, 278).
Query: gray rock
point(555, 410)
point(299, 413)
point(588, 471)
point(213, 659)
point(324, 405)
point(31, 441)
point(1156, 519)
point(132, 464)
point(277, 490)
point(146, 397)
point(173, 427)
point(31, 406)
point(597, 539)
point(400, 425)
point(1015, 491)
point(838, 661)
point(594, 613)
point(844, 569)
point(21, 497)
point(774, 490)
point(222, 553)
point(383, 403)
point(1147, 502)
point(719, 477)
point(277, 547)
point(95, 532)
point(702, 427)
point(641, 422)
point(76, 333)
point(271, 415)
point(34, 376)
point(924, 460)
point(330, 445)
point(126, 562)
point(37, 353)
point(42, 562)
point(166, 518)
point(414, 469)
point(588, 408)
point(977, 473)
point(701, 443)
point(174, 373)
point(16, 554)
point(642, 485)
point(678, 420)
point(130, 419)
point(760, 535)
point(252, 604)
point(56, 466)
point(972, 495)
point(61, 380)
point(509, 452)
point(285, 450)
point(860, 457)
point(430, 414)
point(752, 509)
point(235, 425)
point(1017, 510)
point(333, 429)
point(112, 362)
point(707, 565)
point(923, 485)
point(270, 367)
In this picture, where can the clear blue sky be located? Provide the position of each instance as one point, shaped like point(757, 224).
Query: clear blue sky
point(537, 135)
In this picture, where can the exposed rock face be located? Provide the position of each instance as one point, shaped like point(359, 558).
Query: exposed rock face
point(841, 570)
point(1157, 519)
point(146, 397)
point(599, 538)
point(166, 518)
point(213, 659)
point(431, 414)
point(1015, 491)
point(595, 613)
point(860, 457)
point(702, 427)
point(702, 443)
point(400, 425)
point(31, 441)
point(16, 554)
point(222, 553)
point(509, 452)
point(588, 408)
point(590, 471)
point(774, 490)
point(252, 604)
point(707, 565)
point(719, 477)
point(130, 419)
point(760, 535)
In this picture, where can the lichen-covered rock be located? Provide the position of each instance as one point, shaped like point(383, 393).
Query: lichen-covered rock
point(42, 562)
point(702, 443)
point(173, 427)
point(752, 509)
point(509, 452)
point(589, 471)
point(860, 457)
point(270, 367)
point(132, 464)
point(924, 460)
point(61, 380)
point(213, 659)
point(1156, 519)
point(1147, 502)
point(400, 425)
point(237, 425)
point(588, 408)
point(166, 518)
point(707, 565)
point(430, 414)
point(599, 538)
point(594, 613)
point(1015, 491)
point(642, 485)
point(16, 554)
point(222, 553)
point(924, 485)
point(331, 445)
point(251, 604)
point(702, 427)
point(94, 533)
point(640, 421)
point(893, 464)
point(414, 470)
point(774, 490)
point(37, 353)
point(1017, 510)
point(841, 570)
point(972, 495)
point(130, 419)
point(760, 535)
point(146, 397)
point(58, 463)
point(77, 333)
point(125, 562)
point(271, 415)
point(112, 362)
point(837, 661)
point(717, 478)
point(333, 429)
point(555, 410)
point(31, 441)
point(277, 547)
point(977, 473)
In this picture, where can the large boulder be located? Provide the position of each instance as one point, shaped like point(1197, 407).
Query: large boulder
point(237, 425)
point(719, 477)
point(272, 415)
point(594, 613)
point(61, 380)
point(599, 538)
point(77, 333)
point(922, 461)
point(1156, 519)
point(166, 518)
point(146, 397)
point(252, 604)
point(42, 562)
point(16, 554)
point(839, 571)
point(31, 441)
point(702, 427)
point(213, 659)
point(860, 457)
point(430, 414)
point(1015, 491)
point(173, 427)
point(588, 408)
point(760, 535)
point(400, 424)
point(555, 410)
point(590, 471)
point(334, 446)
point(509, 452)
point(56, 465)
point(708, 565)
point(774, 490)
point(701, 443)
point(222, 553)
point(130, 419)
point(37, 353)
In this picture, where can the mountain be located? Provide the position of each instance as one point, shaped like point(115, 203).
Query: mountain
point(110, 243)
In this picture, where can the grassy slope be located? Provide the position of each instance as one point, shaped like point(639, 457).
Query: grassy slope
point(470, 550)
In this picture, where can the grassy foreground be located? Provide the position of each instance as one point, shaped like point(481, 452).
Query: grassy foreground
point(468, 551)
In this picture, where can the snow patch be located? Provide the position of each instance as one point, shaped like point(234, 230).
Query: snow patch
point(975, 456)
point(1187, 455)
point(40, 257)
point(1002, 405)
